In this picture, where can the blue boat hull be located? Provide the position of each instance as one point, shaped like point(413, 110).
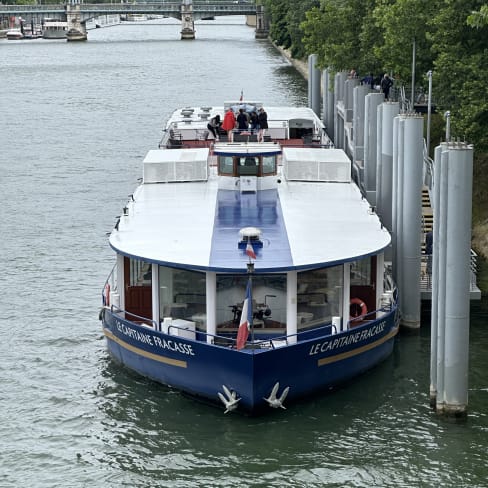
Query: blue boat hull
point(201, 369)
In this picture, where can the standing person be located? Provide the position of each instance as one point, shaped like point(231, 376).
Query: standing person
point(229, 124)
point(254, 122)
point(214, 125)
point(368, 80)
point(263, 124)
point(242, 121)
point(386, 84)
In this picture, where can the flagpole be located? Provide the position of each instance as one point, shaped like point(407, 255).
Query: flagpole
point(250, 271)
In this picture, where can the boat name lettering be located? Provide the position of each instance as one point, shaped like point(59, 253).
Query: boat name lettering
point(153, 340)
point(347, 339)
point(174, 346)
point(135, 334)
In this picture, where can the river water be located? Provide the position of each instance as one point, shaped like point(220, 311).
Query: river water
point(77, 120)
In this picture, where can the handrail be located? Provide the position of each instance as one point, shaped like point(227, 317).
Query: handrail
point(116, 310)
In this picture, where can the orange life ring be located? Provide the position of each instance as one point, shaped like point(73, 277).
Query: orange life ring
point(106, 295)
point(357, 308)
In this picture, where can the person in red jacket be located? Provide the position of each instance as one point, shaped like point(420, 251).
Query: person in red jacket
point(229, 124)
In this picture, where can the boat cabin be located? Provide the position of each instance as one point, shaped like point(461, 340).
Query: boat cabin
point(318, 248)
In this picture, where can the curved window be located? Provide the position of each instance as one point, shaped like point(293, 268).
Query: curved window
point(268, 302)
point(319, 296)
point(182, 293)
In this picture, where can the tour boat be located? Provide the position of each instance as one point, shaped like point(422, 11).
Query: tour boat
point(54, 29)
point(250, 272)
point(14, 34)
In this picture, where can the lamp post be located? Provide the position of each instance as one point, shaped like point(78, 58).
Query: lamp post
point(429, 109)
point(413, 75)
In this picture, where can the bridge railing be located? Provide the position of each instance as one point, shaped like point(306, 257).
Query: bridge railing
point(173, 7)
point(20, 9)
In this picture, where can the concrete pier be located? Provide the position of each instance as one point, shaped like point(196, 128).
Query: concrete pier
point(187, 22)
point(314, 97)
point(449, 384)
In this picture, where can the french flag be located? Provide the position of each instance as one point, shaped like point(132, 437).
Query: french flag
point(250, 251)
point(246, 318)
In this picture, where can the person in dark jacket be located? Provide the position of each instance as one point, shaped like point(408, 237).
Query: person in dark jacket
point(368, 80)
point(214, 125)
point(263, 124)
point(386, 84)
point(242, 122)
point(254, 122)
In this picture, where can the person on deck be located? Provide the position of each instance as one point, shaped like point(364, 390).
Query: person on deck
point(214, 125)
point(254, 122)
point(229, 124)
point(263, 124)
point(242, 123)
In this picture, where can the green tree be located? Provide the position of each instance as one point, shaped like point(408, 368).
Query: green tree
point(460, 69)
point(285, 17)
point(402, 23)
point(333, 32)
point(276, 11)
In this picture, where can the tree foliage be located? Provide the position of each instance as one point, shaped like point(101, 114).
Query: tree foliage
point(460, 71)
point(332, 31)
point(285, 17)
point(374, 36)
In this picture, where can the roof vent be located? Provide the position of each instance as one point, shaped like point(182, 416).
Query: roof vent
point(187, 112)
point(250, 234)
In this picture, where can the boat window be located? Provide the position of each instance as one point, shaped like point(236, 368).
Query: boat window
point(248, 166)
point(319, 296)
point(363, 286)
point(269, 165)
point(140, 273)
point(226, 165)
point(361, 272)
point(268, 298)
point(182, 293)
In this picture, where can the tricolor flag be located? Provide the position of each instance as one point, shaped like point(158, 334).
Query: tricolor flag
point(246, 318)
point(242, 96)
point(250, 251)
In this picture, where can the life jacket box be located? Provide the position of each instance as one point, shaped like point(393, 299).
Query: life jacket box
point(183, 328)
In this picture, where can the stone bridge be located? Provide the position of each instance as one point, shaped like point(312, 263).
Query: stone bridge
point(77, 13)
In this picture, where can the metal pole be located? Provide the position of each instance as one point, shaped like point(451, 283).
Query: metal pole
point(447, 116)
point(413, 74)
point(250, 271)
point(429, 110)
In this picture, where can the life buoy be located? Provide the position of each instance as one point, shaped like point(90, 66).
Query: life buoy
point(357, 308)
point(106, 295)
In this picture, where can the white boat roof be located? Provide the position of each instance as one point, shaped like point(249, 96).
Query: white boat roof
point(198, 117)
point(196, 225)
